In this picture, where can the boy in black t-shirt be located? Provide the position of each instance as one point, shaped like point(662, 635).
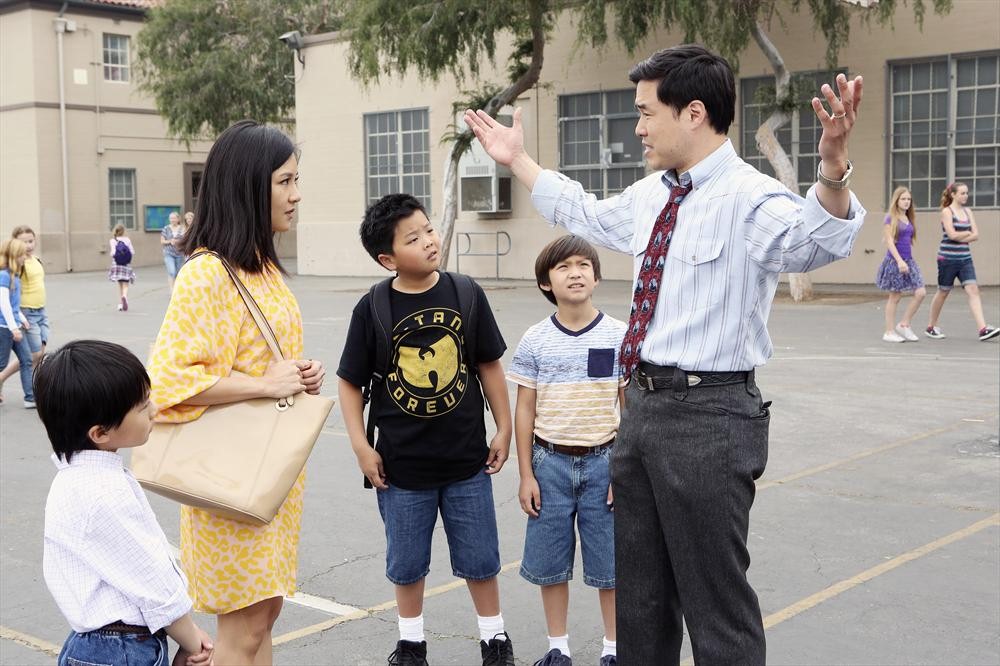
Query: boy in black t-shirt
point(432, 452)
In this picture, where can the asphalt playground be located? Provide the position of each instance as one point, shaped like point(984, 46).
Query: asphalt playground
point(875, 536)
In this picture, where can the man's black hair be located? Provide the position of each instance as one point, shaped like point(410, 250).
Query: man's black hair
point(233, 215)
point(83, 384)
point(378, 227)
point(689, 72)
point(558, 251)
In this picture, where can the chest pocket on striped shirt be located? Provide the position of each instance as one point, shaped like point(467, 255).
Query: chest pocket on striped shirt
point(701, 272)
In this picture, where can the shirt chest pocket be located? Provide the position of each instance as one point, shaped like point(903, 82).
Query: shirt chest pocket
point(698, 268)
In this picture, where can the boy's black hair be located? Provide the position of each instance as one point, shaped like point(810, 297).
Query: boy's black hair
point(688, 72)
point(83, 384)
point(378, 227)
point(233, 214)
point(559, 250)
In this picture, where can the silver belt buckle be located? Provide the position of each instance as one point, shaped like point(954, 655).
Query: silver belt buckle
point(644, 381)
point(693, 380)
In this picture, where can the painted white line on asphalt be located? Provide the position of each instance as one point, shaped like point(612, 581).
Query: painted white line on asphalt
point(321, 604)
point(32, 642)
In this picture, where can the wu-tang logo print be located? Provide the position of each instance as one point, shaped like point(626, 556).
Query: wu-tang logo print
point(429, 375)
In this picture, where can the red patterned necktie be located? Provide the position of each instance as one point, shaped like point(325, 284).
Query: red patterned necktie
point(647, 286)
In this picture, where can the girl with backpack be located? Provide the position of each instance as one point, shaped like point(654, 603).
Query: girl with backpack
point(13, 323)
point(121, 264)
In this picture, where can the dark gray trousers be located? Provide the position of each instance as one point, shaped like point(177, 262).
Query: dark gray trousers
point(683, 470)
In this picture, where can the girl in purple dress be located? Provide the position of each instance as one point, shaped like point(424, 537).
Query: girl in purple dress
point(899, 273)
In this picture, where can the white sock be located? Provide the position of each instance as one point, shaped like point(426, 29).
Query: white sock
point(610, 647)
point(411, 628)
point(560, 643)
point(489, 627)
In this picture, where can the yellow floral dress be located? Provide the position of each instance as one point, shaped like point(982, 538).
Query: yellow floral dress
point(206, 333)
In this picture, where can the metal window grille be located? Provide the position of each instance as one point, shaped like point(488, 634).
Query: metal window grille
point(116, 58)
point(397, 155)
point(121, 198)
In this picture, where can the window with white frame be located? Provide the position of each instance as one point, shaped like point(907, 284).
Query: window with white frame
point(944, 124)
point(121, 197)
point(397, 155)
point(116, 58)
point(597, 142)
point(799, 138)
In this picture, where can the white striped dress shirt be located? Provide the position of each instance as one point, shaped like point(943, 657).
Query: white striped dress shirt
point(105, 557)
point(736, 231)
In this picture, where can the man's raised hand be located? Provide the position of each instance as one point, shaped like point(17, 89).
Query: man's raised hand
point(502, 143)
point(837, 122)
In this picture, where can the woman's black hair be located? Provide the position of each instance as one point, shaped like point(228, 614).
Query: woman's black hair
point(233, 215)
point(83, 384)
point(688, 72)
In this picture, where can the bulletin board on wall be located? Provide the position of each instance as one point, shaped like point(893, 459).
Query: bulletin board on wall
point(158, 217)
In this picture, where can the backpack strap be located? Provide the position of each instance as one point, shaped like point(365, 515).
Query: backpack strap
point(468, 301)
point(381, 316)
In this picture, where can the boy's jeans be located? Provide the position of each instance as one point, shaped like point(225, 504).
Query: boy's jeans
point(110, 648)
point(23, 352)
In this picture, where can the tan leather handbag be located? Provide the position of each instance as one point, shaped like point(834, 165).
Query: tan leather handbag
point(238, 460)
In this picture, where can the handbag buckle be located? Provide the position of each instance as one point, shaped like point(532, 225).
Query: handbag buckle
point(283, 404)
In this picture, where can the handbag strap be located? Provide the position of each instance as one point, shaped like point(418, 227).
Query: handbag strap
point(248, 300)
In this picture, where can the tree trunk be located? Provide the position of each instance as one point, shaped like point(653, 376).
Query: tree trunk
point(526, 81)
point(799, 284)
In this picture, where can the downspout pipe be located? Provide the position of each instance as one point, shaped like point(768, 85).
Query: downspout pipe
point(59, 25)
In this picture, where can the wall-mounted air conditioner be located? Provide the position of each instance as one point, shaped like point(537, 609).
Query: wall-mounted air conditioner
point(484, 186)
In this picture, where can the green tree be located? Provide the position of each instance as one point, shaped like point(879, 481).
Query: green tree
point(209, 64)
point(457, 37)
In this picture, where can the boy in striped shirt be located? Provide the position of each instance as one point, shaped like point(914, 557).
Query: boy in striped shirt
point(565, 422)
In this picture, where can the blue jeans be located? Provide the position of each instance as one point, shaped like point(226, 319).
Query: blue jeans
point(173, 263)
point(574, 489)
point(38, 334)
point(470, 524)
point(23, 352)
point(950, 270)
point(108, 648)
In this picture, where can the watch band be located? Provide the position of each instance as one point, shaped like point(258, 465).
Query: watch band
point(835, 184)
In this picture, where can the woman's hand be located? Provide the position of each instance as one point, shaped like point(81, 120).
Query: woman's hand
point(284, 379)
point(16, 334)
point(904, 267)
point(313, 374)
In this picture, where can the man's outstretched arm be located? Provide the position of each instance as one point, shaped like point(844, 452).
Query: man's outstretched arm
point(505, 144)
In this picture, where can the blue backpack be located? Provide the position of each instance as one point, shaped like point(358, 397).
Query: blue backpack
point(123, 255)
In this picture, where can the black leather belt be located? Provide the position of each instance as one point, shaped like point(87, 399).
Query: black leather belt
point(649, 377)
point(122, 628)
point(573, 450)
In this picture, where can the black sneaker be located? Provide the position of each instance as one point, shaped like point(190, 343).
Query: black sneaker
point(498, 652)
point(554, 657)
point(987, 332)
point(409, 653)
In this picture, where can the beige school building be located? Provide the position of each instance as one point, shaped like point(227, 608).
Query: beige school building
point(929, 117)
point(81, 149)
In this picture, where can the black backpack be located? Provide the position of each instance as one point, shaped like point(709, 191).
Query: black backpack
point(381, 315)
point(123, 255)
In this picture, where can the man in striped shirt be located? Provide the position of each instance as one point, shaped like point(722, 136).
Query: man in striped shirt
point(709, 236)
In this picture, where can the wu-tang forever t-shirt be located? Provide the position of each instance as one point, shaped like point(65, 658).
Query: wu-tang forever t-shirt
point(430, 419)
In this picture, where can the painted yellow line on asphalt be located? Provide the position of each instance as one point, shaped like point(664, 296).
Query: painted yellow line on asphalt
point(372, 610)
point(32, 642)
point(865, 576)
point(863, 454)
point(838, 588)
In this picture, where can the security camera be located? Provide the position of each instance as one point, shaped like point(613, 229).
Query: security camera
point(293, 40)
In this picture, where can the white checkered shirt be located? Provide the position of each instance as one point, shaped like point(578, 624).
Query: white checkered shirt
point(105, 557)
point(736, 231)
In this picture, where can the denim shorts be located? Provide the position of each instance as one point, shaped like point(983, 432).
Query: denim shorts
point(470, 525)
point(38, 334)
point(109, 648)
point(948, 271)
point(573, 489)
point(173, 262)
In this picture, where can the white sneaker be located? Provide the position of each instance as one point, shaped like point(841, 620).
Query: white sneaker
point(907, 333)
point(891, 336)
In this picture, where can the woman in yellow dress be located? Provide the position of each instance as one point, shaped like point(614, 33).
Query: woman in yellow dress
point(209, 351)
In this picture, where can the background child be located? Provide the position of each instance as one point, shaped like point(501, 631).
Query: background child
point(432, 448)
point(106, 560)
point(566, 419)
point(32, 304)
point(121, 271)
point(13, 323)
point(955, 261)
point(898, 272)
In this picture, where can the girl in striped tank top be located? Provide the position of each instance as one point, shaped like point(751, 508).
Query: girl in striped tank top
point(955, 260)
point(899, 273)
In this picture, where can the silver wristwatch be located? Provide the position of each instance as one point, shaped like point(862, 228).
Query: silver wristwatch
point(835, 184)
